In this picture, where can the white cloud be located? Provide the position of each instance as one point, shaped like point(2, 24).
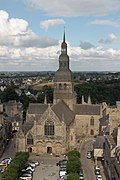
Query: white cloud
point(35, 58)
point(75, 7)
point(110, 39)
point(51, 22)
point(86, 45)
point(106, 22)
point(16, 32)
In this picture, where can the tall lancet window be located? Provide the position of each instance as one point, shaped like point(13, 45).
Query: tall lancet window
point(49, 128)
point(29, 139)
point(92, 121)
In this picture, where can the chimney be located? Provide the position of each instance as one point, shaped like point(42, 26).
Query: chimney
point(118, 136)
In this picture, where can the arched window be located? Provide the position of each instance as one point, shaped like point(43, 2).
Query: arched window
point(29, 139)
point(91, 132)
point(65, 85)
point(49, 128)
point(60, 86)
point(92, 121)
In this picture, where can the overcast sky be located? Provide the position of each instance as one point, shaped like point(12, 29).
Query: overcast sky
point(31, 32)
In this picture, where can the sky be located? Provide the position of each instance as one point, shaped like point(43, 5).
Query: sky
point(31, 32)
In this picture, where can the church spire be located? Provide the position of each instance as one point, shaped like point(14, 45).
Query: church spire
point(64, 45)
point(64, 36)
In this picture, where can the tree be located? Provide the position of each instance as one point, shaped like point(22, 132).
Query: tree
point(73, 165)
point(9, 94)
point(73, 176)
point(73, 153)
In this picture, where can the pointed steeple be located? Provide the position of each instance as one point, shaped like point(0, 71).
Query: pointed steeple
point(89, 100)
point(83, 102)
point(45, 100)
point(64, 45)
point(64, 36)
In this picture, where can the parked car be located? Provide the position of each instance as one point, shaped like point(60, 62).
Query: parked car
point(2, 168)
point(26, 171)
point(31, 164)
point(63, 178)
point(62, 171)
point(35, 162)
point(89, 154)
point(25, 177)
point(97, 170)
point(81, 175)
point(99, 177)
point(61, 162)
point(6, 161)
point(29, 168)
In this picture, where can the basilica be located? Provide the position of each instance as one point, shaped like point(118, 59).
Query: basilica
point(58, 127)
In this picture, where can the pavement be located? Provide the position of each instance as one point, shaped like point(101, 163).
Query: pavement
point(47, 170)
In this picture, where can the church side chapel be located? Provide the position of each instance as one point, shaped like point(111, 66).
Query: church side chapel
point(58, 127)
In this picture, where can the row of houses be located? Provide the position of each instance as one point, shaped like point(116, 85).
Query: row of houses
point(107, 145)
point(10, 122)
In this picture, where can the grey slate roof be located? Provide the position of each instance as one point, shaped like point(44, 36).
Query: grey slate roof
point(98, 144)
point(104, 120)
point(110, 140)
point(87, 109)
point(27, 126)
point(13, 118)
point(37, 108)
point(63, 112)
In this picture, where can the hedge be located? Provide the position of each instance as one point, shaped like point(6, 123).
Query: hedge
point(73, 164)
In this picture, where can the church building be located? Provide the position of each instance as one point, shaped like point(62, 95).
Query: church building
point(58, 127)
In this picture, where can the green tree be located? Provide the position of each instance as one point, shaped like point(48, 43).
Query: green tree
point(73, 153)
point(73, 176)
point(9, 94)
point(73, 165)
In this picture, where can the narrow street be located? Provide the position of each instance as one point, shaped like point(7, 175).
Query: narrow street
point(88, 164)
point(9, 151)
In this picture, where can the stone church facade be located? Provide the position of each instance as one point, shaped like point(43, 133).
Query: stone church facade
point(58, 127)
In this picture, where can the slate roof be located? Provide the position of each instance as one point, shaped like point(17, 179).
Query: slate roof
point(27, 126)
point(98, 144)
point(104, 120)
point(37, 108)
point(87, 109)
point(63, 112)
point(110, 140)
point(13, 118)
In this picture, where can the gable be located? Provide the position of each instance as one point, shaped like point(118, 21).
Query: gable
point(49, 115)
point(63, 112)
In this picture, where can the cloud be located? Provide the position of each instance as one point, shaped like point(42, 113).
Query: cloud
point(110, 39)
point(106, 22)
point(86, 45)
point(75, 7)
point(51, 22)
point(16, 32)
point(42, 59)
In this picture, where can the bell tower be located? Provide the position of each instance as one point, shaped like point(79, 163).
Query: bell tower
point(63, 83)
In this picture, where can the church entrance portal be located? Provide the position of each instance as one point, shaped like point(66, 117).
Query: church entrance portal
point(49, 150)
point(30, 150)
